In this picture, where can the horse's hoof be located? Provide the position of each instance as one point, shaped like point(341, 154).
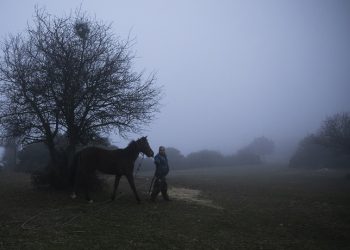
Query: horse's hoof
point(73, 196)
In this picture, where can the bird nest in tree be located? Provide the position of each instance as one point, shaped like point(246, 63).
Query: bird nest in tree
point(82, 29)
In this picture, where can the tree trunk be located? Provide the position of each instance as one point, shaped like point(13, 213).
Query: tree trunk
point(58, 174)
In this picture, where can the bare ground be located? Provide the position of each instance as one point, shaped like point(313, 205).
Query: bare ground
point(253, 207)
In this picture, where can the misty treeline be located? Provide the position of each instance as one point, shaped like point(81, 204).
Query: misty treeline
point(254, 153)
point(328, 148)
point(70, 79)
point(33, 158)
point(204, 159)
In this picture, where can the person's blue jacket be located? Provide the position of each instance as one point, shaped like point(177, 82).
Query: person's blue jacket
point(162, 167)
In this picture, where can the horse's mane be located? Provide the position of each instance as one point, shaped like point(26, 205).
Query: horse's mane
point(131, 143)
point(131, 146)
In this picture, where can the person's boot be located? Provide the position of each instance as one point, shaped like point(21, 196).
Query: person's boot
point(166, 196)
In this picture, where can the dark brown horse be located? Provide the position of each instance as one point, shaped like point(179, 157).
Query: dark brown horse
point(117, 162)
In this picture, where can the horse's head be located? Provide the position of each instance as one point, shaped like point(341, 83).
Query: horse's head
point(144, 147)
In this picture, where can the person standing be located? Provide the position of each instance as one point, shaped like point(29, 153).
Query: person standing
point(162, 170)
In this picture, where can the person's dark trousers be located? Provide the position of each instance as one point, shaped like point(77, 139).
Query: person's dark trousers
point(160, 185)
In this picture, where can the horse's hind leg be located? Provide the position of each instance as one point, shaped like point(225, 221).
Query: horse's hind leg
point(132, 185)
point(87, 183)
point(116, 183)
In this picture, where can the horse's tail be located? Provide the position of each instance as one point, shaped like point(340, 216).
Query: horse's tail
point(74, 169)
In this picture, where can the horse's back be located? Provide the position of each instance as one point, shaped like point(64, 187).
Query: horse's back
point(105, 160)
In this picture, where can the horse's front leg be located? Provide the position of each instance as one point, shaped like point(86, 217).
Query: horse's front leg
point(116, 183)
point(130, 178)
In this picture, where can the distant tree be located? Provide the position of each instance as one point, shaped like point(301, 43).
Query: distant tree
point(204, 158)
point(244, 157)
point(33, 158)
point(309, 154)
point(260, 147)
point(176, 159)
point(335, 133)
point(71, 76)
point(10, 155)
point(314, 155)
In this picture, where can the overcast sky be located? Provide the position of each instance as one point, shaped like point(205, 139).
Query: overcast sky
point(231, 70)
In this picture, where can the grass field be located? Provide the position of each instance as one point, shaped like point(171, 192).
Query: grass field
point(255, 207)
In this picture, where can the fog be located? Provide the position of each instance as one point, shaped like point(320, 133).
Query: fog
point(230, 70)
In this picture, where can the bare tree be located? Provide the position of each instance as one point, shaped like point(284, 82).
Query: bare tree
point(335, 132)
point(72, 76)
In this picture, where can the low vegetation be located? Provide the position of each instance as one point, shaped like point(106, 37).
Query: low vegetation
point(328, 148)
point(232, 208)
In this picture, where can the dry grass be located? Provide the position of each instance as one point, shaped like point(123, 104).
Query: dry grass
point(192, 196)
point(238, 208)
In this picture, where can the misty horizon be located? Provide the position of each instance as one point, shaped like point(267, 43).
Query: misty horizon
point(231, 71)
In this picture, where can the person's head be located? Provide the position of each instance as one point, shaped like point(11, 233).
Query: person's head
point(162, 150)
